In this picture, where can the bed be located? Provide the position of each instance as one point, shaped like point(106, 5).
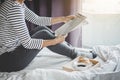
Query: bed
point(47, 65)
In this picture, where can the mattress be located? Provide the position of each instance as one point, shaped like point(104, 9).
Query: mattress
point(47, 65)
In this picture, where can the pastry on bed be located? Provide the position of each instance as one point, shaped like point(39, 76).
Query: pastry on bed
point(84, 63)
point(84, 60)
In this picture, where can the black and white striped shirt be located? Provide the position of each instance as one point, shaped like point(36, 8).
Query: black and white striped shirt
point(13, 29)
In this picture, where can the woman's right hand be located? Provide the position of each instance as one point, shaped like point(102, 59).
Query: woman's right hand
point(57, 40)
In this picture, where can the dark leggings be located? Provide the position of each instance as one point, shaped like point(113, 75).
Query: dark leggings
point(21, 57)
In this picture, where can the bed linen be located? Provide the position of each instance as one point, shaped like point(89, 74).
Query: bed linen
point(48, 66)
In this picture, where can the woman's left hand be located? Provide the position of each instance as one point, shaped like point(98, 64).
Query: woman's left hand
point(64, 19)
point(68, 18)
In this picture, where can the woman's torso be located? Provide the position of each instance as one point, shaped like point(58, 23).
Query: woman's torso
point(8, 39)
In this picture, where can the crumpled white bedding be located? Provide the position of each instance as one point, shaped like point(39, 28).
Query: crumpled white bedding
point(48, 66)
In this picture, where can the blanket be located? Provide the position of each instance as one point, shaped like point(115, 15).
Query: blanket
point(48, 66)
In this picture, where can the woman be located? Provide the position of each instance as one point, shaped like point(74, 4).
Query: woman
point(17, 47)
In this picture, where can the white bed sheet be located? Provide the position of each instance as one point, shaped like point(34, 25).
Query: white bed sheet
point(48, 66)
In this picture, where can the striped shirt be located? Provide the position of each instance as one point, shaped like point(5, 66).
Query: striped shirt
point(13, 29)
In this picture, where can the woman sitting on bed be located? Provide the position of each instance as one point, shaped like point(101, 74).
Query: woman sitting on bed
point(17, 47)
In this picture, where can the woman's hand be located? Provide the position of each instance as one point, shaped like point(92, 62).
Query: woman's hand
point(62, 19)
point(57, 40)
point(68, 18)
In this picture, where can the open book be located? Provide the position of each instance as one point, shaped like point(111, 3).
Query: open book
point(70, 25)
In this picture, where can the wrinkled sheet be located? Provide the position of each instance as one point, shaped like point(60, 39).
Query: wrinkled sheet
point(48, 66)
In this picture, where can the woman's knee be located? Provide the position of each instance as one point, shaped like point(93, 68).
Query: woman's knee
point(43, 34)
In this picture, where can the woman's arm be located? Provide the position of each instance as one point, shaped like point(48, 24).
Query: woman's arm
point(44, 21)
point(64, 19)
point(33, 18)
point(17, 21)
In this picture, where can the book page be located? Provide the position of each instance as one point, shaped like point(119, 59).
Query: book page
point(70, 25)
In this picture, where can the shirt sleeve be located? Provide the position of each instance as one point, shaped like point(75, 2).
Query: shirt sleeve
point(32, 17)
point(17, 21)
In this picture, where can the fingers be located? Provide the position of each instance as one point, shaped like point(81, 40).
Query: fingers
point(60, 39)
point(63, 35)
point(70, 17)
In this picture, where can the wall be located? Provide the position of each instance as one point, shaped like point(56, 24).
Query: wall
point(103, 29)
